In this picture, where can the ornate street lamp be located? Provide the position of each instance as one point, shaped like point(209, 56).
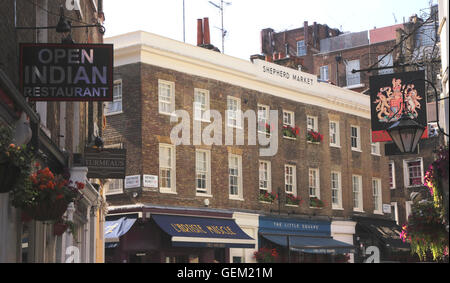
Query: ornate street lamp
point(406, 133)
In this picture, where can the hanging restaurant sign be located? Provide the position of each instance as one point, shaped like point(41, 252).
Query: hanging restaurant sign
point(386, 98)
point(108, 163)
point(66, 72)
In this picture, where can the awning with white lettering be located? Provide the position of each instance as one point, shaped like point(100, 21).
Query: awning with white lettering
point(190, 231)
point(316, 245)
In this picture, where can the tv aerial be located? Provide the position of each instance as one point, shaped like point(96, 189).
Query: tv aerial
point(224, 32)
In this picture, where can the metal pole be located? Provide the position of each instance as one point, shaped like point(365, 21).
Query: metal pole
point(223, 32)
point(289, 249)
point(184, 23)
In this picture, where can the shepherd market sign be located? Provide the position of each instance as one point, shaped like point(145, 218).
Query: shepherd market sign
point(284, 74)
point(61, 72)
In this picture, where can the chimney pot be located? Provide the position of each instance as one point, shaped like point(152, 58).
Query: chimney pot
point(199, 32)
point(207, 38)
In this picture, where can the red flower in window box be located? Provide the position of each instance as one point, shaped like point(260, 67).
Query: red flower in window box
point(293, 200)
point(289, 131)
point(313, 136)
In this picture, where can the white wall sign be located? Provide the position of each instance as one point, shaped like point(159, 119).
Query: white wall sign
point(132, 182)
point(386, 208)
point(150, 181)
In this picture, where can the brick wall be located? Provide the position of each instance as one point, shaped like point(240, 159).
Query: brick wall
point(145, 126)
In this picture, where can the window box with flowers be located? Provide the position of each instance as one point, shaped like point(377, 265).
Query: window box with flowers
point(314, 137)
point(15, 162)
point(290, 132)
point(266, 255)
point(46, 196)
point(293, 200)
point(265, 196)
point(315, 202)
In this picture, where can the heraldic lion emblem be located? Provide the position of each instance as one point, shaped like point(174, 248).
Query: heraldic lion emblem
point(390, 103)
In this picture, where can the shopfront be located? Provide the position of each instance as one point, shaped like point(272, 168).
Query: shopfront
point(172, 237)
point(299, 240)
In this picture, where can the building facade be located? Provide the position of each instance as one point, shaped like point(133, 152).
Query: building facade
point(58, 130)
point(337, 178)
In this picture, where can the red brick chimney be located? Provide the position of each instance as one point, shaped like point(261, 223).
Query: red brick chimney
point(200, 36)
point(206, 34)
point(305, 32)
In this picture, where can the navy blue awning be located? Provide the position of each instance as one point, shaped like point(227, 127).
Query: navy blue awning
point(316, 245)
point(116, 228)
point(203, 232)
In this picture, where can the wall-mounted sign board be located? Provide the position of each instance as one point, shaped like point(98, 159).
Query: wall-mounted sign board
point(66, 72)
point(106, 163)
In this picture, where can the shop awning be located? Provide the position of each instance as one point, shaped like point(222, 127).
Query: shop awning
point(117, 227)
point(307, 244)
point(387, 231)
point(187, 231)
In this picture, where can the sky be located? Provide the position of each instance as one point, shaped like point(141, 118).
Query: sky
point(244, 19)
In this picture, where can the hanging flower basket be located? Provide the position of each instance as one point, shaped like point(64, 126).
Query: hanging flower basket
point(9, 174)
point(47, 211)
point(266, 255)
point(47, 196)
point(15, 161)
point(59, 228)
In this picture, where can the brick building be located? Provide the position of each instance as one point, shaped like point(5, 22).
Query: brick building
point(59, 130)
point(156, 76)
point(331, 54)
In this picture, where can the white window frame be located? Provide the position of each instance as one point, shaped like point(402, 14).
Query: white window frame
point(377, 196)
point(301, 48)
point(408, 208)
point(116, 101)
point(207, 190)
point(118, 182)
point(324, 73)
point(394, 204)
point(200, 109)
point(263, 117)
point(268, 175)
point(336, 134)
point(314, 182)
point(240, 193)
point(171, 104)
point(116, 191)
point(406, 172)
point(352, 79)
point(375, 148)
point(292, 118)
point(392, 171)
point(238, 111)
point(337, 188)
point(172, 189)
point(360, 206)
point(358, 138)
point(315, 121)
point(288, 182)
point(386, 62)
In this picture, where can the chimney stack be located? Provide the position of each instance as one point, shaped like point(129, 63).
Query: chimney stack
point(199, 32)
point(207, 38)
point(306, 32)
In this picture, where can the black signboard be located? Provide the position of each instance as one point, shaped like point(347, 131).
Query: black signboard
point(66, 72)
point(105, 163)
point(386, 99)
